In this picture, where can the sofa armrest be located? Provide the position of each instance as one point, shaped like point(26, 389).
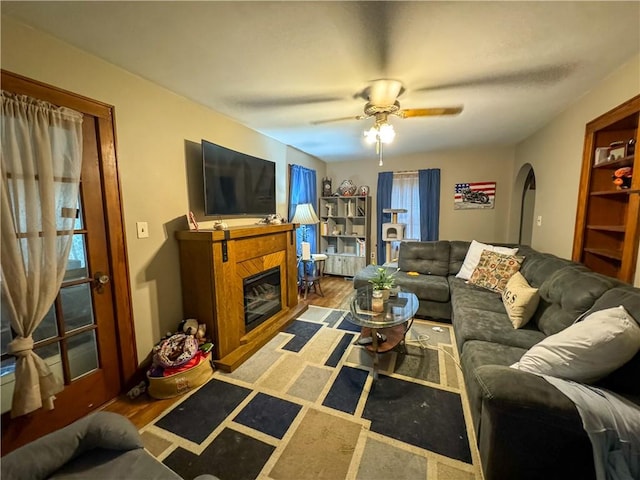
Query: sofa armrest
point(528, 428)
point(42, 457)
point(505, 387)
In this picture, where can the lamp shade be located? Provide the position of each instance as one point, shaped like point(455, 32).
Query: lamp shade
point(305, 214)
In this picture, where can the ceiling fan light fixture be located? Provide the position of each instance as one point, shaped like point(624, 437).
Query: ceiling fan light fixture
point(380, 132)
point(386, 133)
point(371, 135)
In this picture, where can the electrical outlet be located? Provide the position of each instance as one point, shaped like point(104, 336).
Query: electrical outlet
point(373, 255)
point(143, 229)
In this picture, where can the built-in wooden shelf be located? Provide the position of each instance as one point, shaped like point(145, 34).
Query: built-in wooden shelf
point(607, 231)
point(625, 191)
point(607, 228)
point(613, 254)
point(617, 163)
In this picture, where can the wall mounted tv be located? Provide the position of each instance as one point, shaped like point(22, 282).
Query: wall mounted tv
point(236, 184)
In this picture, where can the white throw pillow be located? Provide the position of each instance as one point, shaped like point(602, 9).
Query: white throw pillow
point(587, 350)
point(520, 300)
point(473, 257)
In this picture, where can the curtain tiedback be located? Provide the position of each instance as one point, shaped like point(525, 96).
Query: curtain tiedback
point(303, 189)
point(40, 164)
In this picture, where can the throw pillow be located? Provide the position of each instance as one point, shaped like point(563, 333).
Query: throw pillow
point(472, 257)
point(588, 350)
point(494, 270)
point(520, 300)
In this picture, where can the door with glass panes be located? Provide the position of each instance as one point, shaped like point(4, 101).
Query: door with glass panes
point(78, 336)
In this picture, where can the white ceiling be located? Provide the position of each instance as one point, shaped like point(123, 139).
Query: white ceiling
point(277, 66)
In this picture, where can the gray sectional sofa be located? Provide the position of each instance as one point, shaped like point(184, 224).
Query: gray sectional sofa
point(103, 445)
point(525, 427)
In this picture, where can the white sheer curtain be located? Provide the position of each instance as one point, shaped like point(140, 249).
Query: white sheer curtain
point(405, 193)
point(40, 158)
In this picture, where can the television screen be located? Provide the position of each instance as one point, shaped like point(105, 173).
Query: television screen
point(236, 184)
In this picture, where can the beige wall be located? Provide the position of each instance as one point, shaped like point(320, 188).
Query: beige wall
point(456, 166)
point(158, 135)
point(555, 153)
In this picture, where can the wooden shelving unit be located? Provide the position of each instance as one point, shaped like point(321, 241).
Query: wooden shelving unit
point(345, 233)
point(607, 232)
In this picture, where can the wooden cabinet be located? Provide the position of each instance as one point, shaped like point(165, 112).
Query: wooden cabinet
point(606, 232)
point(345, 233)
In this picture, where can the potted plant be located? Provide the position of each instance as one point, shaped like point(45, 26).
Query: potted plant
point(383, 281)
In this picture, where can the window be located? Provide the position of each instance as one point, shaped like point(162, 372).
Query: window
point(405, 194)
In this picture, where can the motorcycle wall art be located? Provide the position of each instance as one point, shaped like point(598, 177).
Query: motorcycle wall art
point(474, 195)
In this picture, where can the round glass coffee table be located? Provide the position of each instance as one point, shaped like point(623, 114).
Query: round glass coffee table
point(385, 328)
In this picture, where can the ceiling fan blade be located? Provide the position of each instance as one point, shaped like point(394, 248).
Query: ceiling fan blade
point(285, 101)
point(534, 77)
point(339, 119)
point(429, 112)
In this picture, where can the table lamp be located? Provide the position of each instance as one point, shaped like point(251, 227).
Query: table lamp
point(305, 215)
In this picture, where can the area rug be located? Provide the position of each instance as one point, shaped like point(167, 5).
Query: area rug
point(307, 406)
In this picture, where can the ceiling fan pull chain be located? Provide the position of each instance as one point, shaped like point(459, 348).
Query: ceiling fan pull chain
point(379, 144)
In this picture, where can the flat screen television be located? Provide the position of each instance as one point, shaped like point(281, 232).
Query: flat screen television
point(237, 184)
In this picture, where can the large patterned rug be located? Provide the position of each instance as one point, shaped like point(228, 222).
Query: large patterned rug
point(306, 406)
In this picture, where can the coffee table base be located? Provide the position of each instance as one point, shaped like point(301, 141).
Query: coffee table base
point(394, 336)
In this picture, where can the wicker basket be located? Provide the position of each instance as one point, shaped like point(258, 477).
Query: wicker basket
point(179, 383)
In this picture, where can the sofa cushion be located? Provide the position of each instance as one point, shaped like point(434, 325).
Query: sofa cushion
point(479, 314)
point(458, 250)
point(475, 354)
point(429, 258)
point(538, 267)
point(567, 294)
point(587, 350)
point(472, 257)
point(426, 287)
point(464, 294)
point(476, 324)
point(494, 270)
point(520, 300)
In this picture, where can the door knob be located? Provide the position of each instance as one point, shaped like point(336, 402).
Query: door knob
point(101, 279)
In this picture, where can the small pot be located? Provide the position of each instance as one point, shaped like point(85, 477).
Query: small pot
point(384, 293)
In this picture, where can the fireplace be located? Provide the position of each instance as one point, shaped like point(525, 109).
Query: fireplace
point(261, 297)
point(218, 268)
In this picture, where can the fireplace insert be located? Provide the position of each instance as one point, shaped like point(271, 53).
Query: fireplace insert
point(262, 297)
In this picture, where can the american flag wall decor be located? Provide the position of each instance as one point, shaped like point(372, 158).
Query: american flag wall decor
point(474, 195)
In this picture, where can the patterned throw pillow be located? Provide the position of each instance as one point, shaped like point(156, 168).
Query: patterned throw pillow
point(520, 300)
point(494, 270)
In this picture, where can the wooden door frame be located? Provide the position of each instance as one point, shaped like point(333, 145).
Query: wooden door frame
point(114, 218)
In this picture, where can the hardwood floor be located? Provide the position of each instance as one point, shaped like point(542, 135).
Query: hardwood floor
point(144, 409)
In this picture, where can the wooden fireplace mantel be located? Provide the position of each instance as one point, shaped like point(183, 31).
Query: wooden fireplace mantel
point(213, 265)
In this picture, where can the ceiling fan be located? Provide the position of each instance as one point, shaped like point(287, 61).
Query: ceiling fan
point(382, 101)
